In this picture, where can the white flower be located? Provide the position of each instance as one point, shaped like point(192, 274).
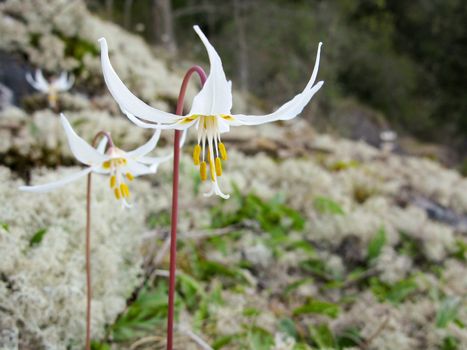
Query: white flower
point(120, 165)
point(60, 84)
point(210, 112)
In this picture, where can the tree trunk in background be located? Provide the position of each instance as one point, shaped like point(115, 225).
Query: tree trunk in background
point(242, 52)
point(109, 5)
point(127, 14)
point(163, 25)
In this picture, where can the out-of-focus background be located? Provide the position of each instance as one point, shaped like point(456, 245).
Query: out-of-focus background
point(346, 227)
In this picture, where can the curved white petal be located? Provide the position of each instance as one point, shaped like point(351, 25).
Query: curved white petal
point(42, 81)
point(53, 185)
point(125, 99)
point(147, 147)
point(80, 148)
point(63, 82)
point(136, 168)
point(102, 144)
point(216, 95)
point(35, 84)
point(287, 111)
point(174, 126)
point(290, 109)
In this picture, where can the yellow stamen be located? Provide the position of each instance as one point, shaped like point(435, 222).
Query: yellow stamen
point(211, 167)
point(130, 176)
point(218, 166)
point(117, 193)
point(223, 151)
point(203, 171)
point(113, 181)
point(196, 153)
point(106, 165)
point(125, 190)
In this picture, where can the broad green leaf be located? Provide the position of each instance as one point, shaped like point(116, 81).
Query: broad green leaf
point(322, 336)
point(318, 307)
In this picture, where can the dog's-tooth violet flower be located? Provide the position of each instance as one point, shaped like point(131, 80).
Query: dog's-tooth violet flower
point(63, 83)
point(210, 111)
point(121, 166)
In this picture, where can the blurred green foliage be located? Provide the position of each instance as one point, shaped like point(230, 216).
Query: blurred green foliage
point(405, 59)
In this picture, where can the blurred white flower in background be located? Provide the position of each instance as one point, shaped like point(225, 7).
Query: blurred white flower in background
point(60, 84)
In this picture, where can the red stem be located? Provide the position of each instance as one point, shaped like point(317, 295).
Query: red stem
point(173, 232)
point(88, 245)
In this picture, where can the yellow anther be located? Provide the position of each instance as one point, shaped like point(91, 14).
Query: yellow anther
point(211, 167)
point(218, 166)
point(223, 151)
point(106, 165)
point(113, 181)
point(122, 161)
point(117, 193)
point(129, 176)
point(124, 190)
point(196, 153)
point(203, 171)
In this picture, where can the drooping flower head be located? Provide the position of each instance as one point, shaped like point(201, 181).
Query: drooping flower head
point(122, 167)
point(63, 83)
point(210, 111)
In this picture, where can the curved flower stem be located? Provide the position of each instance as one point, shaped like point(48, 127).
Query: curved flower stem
point(88, 246)
point(173, 232)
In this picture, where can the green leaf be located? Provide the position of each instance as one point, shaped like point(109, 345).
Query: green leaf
point(287, 326)
point(318, 307)
point(450, 343)
point(447, 311)
point(259, 339)
point(401, 290)
point(222, 341)
point(326, 205)
point(322, 336)
point(37, 237)
point(5, 226)
point(376, 244)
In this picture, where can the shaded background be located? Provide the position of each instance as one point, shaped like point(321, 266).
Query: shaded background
point(397, 64)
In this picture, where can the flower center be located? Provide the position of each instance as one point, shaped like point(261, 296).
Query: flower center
point(210, 149)
point(117, 177)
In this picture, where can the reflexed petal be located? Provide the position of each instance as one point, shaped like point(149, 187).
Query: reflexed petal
point(63, 82)
point(136, 168)
point(125, 99)
point(290, 109)
point(53, 185)
point(175, 126)
point(42, 81)
point(36, 85)
point(216, 95)
point(80, 148)
point(147, 147)
point(102, 144)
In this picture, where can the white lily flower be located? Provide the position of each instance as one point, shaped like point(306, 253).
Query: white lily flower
point(121, 166)
point(63, 83)
point(210, 112)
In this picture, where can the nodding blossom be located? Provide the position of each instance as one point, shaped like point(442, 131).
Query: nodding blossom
point(210, 112)
point(121, 167)
point(64, 82)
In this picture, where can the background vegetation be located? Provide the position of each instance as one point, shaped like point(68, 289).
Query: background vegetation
point(403, 59)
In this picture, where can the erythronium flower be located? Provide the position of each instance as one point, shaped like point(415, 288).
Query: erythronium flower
point(60, 84)
point(210, 112)
point(121, 166)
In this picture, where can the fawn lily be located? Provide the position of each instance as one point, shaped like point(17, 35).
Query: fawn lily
point(121, 166)
point(210, 112)
point(62, 83)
